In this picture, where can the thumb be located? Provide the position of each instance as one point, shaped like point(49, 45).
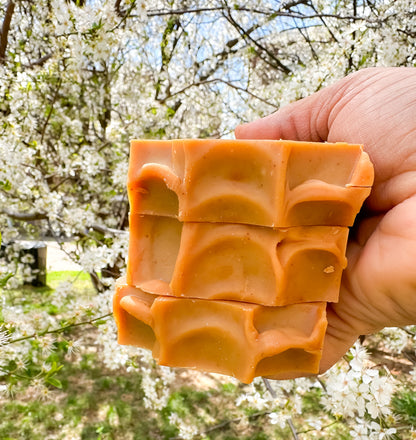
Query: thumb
point(303, 120)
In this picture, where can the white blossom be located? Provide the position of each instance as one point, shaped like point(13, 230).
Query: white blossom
point(278, 418)
point(394, 339)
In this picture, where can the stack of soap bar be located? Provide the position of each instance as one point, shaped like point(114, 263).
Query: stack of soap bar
point(235, 249)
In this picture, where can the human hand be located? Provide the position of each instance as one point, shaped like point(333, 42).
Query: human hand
point(377, 108)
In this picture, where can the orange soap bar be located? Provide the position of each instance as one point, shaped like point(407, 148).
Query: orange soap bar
point(240, 262)
point(259, 182)
point(228, 337)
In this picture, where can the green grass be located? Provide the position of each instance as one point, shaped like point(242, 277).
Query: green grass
point(109, 405)
point(95, 403)
point(63, 275)
point(81, 280)
point(40, 297)
point(404, 405)
point(99, 404)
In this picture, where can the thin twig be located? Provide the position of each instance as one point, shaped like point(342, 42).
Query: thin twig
point(225, 423)
point(321, 382)
point(31, 216)
point(321, 18)
point(228, 83)
point(321, 429)
point(55, 97)
point(25, 216)
point(274, 395)
point(58, 330)
point(117, 8)
point(39, 62)
point(292, 428)
point(275, 62)
point(269, 388)
point(289, 14)
point(409, 332)
point(106, 230)
point(124, 17)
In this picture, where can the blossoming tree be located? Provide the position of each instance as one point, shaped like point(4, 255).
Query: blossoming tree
point(80, 78)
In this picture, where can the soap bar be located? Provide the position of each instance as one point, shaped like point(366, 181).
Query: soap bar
point(228, 337)
point(256, 264)
point(259, 182)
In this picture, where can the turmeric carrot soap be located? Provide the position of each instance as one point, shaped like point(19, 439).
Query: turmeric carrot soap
point(228, 337)
point(258, 182)
point(240, 262)
point(235, 249)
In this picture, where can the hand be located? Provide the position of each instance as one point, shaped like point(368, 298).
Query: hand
point(377, 108)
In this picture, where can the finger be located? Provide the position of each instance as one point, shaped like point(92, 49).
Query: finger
point(303, 120)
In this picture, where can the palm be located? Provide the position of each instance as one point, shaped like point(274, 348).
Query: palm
point(375, 107)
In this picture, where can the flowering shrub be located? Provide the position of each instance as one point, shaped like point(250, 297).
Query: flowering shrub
point(78, 80)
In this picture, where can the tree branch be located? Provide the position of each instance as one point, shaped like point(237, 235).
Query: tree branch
point(39, 62)
point(160, 12)
point(228, 83)
point(269, 388)
point(32, 216)
point(227, 422)
point(274, 62)
point(292, 428)
point(124, 15)
point(5, 30)
point(25, 216)
point(274, 396)
point(105, 230)
point(58, 330)
point(289, 14)
point(55, 97)
point(117, 8)
point(408, 331)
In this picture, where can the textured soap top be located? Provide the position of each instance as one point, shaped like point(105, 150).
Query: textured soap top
point(228, 337)
point(235, 261)
point(258, 182)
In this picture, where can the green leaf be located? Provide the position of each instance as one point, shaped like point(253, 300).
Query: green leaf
point(6, 185)
point(55, 367)
point(100, 322)
point(54, 382)
point(170, 112)
point(3, 281)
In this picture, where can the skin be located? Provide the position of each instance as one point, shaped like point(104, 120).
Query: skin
point(377, 108)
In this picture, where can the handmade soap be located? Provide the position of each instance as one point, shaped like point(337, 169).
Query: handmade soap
point(235, 249)
point(236, 261)
point(258, 182)
point(228, 337)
